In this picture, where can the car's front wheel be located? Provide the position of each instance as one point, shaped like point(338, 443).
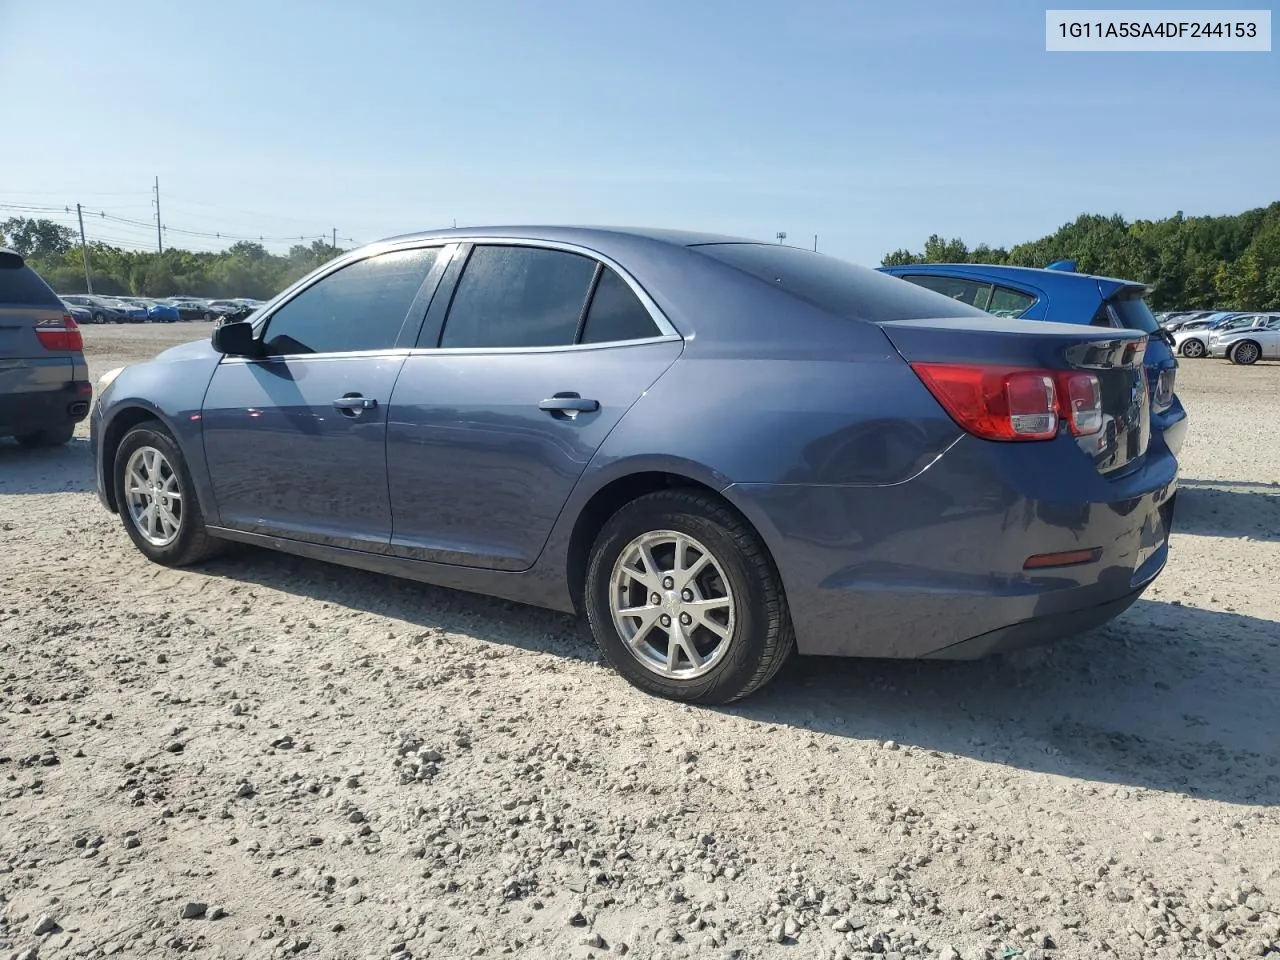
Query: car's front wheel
point(684, 600)
point(157, 499)
point(99, 317)
point(1246, 353)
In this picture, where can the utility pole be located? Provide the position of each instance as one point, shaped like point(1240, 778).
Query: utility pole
point(84, 252)
point(815, 243)
point(335, 239)
point(781, 235)
point(159, 238)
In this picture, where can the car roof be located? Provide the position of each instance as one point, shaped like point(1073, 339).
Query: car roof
point(587, 236)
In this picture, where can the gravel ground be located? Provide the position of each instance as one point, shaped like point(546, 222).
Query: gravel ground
point(268, 756)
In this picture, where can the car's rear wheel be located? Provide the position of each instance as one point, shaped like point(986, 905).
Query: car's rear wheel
point(1246, 353)
point(1193, 348)
point(157, 499)
point(99, 317)
point(50, 437)
point(684, 600)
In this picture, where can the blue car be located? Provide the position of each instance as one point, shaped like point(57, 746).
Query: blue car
point(161, 312)
point(1060, 294)
point(719, 451)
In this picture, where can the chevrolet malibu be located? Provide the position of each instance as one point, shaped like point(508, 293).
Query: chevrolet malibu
point(720, 451)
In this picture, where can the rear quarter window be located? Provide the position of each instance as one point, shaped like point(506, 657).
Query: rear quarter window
point(835, 285)
point(22, 287)
point(1134, 314)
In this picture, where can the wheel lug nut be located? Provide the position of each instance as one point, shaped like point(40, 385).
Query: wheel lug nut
point(686, 619)
point(655, 598)
point(667, 583)
point(686, 595)
point(665, 620)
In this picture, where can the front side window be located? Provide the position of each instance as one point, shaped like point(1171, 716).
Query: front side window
point(359, 307)
point(975, 293)
point(515, 296)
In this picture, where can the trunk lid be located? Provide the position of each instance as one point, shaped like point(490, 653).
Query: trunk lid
point(1115, 357)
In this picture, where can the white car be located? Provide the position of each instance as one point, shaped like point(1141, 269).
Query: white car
point(1193, 340)
point(1248, 345)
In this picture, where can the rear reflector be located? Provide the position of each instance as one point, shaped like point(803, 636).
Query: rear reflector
point(61, 334)
point(1014, 403)
point(1070, 558)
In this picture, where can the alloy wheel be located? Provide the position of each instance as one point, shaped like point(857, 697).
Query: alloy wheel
point(672, 605)
point(153, 496)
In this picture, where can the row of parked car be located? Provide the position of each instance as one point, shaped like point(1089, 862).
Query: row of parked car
point(1241, 337)
point(92, 308)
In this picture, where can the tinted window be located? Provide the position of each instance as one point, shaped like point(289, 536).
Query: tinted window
point(616, 313)
point(976, 293)
point(1009, 303)
point(360, 307)
point(23, 287)
point(511, 296)
point(1135, 314)
point(835, 285)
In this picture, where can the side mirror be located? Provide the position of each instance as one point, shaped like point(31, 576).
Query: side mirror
point(236, 340)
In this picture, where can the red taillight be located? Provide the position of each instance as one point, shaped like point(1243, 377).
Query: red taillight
point(61, 334)
point(1014, 403)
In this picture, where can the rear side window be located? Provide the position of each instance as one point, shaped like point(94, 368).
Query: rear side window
point(1009, 303)
point(835, 285)
point(513, 296)
point(616, 313)
point(22, 287)
point(976, 293)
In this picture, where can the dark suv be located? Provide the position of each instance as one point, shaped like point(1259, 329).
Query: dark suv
point(44, 380)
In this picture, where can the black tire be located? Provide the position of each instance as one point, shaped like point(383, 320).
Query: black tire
point(1251, 355)
point(50, 437)
point(762, 637)
point(99, 317)
point(1193, 348)
point(192, 543)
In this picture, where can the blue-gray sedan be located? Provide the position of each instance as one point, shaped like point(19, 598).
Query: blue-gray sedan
point(719, 450)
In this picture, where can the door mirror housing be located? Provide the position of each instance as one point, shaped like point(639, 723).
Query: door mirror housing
point(236, 339)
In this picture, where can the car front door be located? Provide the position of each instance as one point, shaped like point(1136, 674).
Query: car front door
point(506, 399)
point(295, 440)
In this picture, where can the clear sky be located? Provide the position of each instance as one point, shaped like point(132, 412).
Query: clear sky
point(869, 124)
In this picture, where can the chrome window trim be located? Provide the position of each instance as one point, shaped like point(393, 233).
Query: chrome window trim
point(666, 329)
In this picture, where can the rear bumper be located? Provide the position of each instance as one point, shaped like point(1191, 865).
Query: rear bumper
point(934, 567)
point(1172, 425)
point(42, 394)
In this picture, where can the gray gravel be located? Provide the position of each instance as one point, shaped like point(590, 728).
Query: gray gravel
point(269, 757)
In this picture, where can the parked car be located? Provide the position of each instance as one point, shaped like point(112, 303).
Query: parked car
point(1248, 343)
point(1192, 340)
point(102, 310)
point(81, 315)
point(1060, 294)
point(160, 311)
point(44, 380)
point(717, 449)
point(190, 308)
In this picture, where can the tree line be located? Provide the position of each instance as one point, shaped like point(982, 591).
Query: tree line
point(1226, 263)
point(242, 270)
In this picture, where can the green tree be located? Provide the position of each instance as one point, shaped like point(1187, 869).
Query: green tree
point(36, 237)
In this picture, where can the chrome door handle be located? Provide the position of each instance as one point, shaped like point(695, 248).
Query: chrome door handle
point(569, 402)
point(354, 403)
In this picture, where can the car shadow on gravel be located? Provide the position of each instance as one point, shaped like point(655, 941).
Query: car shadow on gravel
point(1211, 508)
point(64, 469)
point(1167, 697)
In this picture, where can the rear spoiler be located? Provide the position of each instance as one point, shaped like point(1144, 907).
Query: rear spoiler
point(10, 259)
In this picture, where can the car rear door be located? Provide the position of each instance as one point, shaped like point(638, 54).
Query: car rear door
point(498, 411)
point(295, 440)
